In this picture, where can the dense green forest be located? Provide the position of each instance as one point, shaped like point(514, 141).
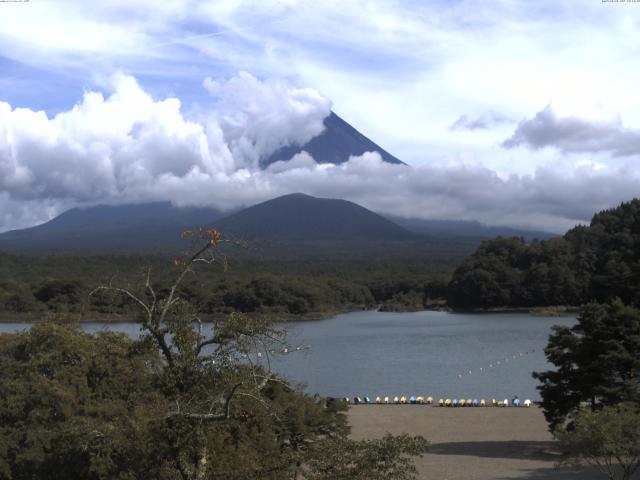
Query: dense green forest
point(589, 263)
point(32, 286)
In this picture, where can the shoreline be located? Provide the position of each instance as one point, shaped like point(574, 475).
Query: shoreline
point(95, 317)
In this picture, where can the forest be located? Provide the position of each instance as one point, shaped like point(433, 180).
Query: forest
point(32, 286)
point(589, 263)
point(176, 404)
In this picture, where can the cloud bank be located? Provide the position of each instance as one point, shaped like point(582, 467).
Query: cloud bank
point(129, 147)
point(572, 134)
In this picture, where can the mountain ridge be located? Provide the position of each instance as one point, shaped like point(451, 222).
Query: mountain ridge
point(110, 228)
point(295, 225)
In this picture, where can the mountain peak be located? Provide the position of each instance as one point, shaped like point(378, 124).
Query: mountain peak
point(300, 217)
point(336, 144)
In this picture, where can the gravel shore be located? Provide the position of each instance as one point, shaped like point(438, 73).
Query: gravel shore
point(471, 443)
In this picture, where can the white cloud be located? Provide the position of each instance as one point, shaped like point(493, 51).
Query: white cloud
point(401, 71)
point(260, 117)
point(130, 147)
point(300, 160)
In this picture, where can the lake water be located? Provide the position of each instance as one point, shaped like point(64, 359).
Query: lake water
point(441, 354)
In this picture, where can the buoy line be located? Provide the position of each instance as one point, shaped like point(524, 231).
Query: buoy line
point(496, 363)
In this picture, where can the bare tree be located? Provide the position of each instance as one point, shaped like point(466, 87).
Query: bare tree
point(209, 373)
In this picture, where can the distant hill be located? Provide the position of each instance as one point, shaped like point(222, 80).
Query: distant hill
point(298, 217)
point(466, 228)
point(144, 227)
point(295, 226)
point(335, 144)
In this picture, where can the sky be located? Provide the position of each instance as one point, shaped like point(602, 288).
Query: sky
point(520, 113)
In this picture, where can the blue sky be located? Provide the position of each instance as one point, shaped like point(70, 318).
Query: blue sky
point(537, 98)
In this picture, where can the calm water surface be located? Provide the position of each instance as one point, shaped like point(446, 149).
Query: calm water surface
point(423, 353)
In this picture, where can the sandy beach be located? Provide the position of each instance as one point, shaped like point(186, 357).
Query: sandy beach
point(471, 443)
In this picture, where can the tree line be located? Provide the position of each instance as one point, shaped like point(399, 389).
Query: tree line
point(32, 286)
point(589, 263)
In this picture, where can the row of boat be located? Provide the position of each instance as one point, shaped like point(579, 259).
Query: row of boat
point(515, 402)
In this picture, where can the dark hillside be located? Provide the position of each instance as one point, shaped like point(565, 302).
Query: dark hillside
point(466, 228)
point(595, 262)
point(298, 217)
point(148, 227)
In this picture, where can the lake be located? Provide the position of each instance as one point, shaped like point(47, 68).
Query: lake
point(445, 355)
